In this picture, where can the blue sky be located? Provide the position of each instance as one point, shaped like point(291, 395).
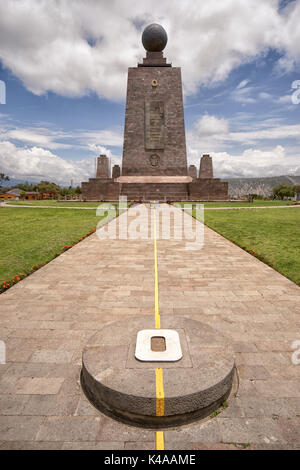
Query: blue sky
point(65, 72)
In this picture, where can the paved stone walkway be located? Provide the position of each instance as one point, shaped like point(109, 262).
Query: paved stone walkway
point(47, 319)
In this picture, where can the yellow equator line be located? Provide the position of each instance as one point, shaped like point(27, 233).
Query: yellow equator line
point(160, 440)
point(160, 396)
point(156, 307)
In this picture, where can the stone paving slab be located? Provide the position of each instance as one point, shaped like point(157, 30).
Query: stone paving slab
point(48, 318)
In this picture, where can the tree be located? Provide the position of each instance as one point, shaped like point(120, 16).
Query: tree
point(3, 177)
point(47, 187)
point(286, 193)
point(296, 188)
point(26, 186)
point(284, 190)
point(66, 191)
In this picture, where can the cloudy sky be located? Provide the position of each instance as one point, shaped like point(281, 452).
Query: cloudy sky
point(64, 64)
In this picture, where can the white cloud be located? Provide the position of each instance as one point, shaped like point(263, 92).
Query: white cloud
point(242, 95)
point(265, 96)
point(209, 133)
point(31, 158)
point(242, 84)
point(72, 48)
point(252, 163)
point(37, 136)
point(286, 99)
point(102, 137)
point(274, 132)
point(212, 135)
point(37, 164)
point(60, 139)
point(211, 125)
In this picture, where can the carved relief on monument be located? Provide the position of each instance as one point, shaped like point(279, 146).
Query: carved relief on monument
point(154, 125)
point(154, 160)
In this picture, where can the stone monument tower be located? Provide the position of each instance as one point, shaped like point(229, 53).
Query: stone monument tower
point(154, 154)
point(154, 162)
point(154, 136)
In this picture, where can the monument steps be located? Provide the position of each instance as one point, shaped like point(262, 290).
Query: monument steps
point(152, 191)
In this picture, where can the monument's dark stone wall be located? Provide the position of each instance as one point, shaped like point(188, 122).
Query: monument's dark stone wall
point(155, 191)
point(208, 189)
point(154, 136)
point(100, 189)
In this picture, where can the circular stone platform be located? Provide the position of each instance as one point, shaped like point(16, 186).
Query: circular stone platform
point(121, 386)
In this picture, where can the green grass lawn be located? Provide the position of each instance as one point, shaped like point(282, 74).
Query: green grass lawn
point(255, 203)
point(54, 203)
point(30, 237)
point(273, 234)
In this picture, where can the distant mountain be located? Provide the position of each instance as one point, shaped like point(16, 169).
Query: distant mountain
point(240, 186)
point(14, 182)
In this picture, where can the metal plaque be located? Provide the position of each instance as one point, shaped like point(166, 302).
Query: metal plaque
point(154, 125)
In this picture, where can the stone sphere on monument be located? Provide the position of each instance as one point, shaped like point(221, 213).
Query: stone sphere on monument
point(154, 38)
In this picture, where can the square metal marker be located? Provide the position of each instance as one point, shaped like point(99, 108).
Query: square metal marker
point(172, 352)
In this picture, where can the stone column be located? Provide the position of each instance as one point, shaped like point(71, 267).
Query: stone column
point(206, 167)
point(193, 171)
point(103, 167)
point(116, 171)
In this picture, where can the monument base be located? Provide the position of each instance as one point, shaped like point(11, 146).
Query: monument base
point(208, 189)
point(100, 189)
point(160, 188)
